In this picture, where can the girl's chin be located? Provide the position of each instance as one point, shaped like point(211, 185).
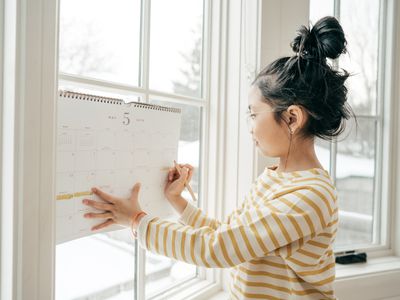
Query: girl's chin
point(261, 150)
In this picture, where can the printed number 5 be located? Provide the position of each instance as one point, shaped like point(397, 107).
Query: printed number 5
point(126, 120)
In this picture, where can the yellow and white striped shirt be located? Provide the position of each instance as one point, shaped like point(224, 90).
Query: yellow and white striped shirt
point(278, 244)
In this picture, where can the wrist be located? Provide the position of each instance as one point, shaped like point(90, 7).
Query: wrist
point(136, 219)
point(140, 217)
point(179, 203)
point(173, 198)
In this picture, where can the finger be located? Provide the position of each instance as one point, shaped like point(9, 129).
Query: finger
point(190, 167)
point(171, 174)
point(191, 171)
point(170, 171)
point(135, 191)
point(190, 175)
point(103, 225)
point(98, 205)
point(184, 175)
point(103, 195)
point(107, 215)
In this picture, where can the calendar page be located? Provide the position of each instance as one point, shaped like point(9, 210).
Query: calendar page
point(106, 143)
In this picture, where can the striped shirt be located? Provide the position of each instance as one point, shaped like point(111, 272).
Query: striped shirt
point(278, 244)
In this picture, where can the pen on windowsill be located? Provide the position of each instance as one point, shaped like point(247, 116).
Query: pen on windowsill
point(187, 185)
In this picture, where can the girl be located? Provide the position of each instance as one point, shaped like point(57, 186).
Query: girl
point(279, 243)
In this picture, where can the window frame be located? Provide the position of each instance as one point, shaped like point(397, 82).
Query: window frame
point(226, 69)
point(381, 201)
point(272, 28)
point(379, 276)
point(146, 94)
point(32, 43)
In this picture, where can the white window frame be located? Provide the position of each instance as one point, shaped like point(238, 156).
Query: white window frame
point(382, 139)
point(379, 277)
point(29, 94)
point(384, 83)
point(29, 90)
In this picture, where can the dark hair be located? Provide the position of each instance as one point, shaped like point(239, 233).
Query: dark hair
point(306, 79)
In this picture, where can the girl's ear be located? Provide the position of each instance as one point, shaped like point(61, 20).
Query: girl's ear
point(295, 117)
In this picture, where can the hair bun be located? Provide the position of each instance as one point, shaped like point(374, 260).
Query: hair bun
point(325, 39)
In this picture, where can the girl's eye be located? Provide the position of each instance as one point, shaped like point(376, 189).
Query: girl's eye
point(252, 116)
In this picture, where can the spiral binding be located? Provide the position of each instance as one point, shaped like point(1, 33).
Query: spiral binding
point(109, 100)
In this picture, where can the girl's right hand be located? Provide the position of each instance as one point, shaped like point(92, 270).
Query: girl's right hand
point(176, 182)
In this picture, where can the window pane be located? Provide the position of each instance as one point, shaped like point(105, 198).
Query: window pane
point(355, 173)
point(360, 21)
point(100, 39)
point(320, 9)
point(176, 46)
point(101, 266)
point(161, 272)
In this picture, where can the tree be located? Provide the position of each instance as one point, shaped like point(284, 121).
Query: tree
point(191, 86)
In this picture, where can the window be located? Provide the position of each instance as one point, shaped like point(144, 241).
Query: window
point(355, 158)
point(150, 51)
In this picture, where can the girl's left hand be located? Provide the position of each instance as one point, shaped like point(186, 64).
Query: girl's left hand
point(116, 210)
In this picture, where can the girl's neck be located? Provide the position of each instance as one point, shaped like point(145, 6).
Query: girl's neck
point(301, 157)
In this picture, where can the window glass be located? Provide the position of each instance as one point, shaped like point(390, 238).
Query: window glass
point(176, 46)
point(355, 176)
point(360, 21)
point(355, 166)
point(101, 266)
point(100, 39)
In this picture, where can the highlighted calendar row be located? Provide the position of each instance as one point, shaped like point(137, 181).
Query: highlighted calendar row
point(74, 195)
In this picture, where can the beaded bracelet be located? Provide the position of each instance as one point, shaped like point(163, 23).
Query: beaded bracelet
point(133, 222)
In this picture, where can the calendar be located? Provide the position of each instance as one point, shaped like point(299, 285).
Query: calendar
point(110, 144)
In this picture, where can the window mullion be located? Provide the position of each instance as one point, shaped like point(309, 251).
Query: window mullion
point(101, 85)
point(382, 198)
point(145, 58)
point(140, 254)
point(175, 98)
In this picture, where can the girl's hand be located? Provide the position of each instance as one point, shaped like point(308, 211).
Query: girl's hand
point(116, 210)
point(176, 182)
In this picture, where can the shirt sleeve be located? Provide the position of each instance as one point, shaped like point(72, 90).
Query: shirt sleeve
point(195, 217)
point(258, 230)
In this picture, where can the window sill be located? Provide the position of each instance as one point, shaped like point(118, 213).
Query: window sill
point(377, 279)
point(221, 295)
point(372, 266)
point(346, 281)
point(374, 280)
point(195, 289)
